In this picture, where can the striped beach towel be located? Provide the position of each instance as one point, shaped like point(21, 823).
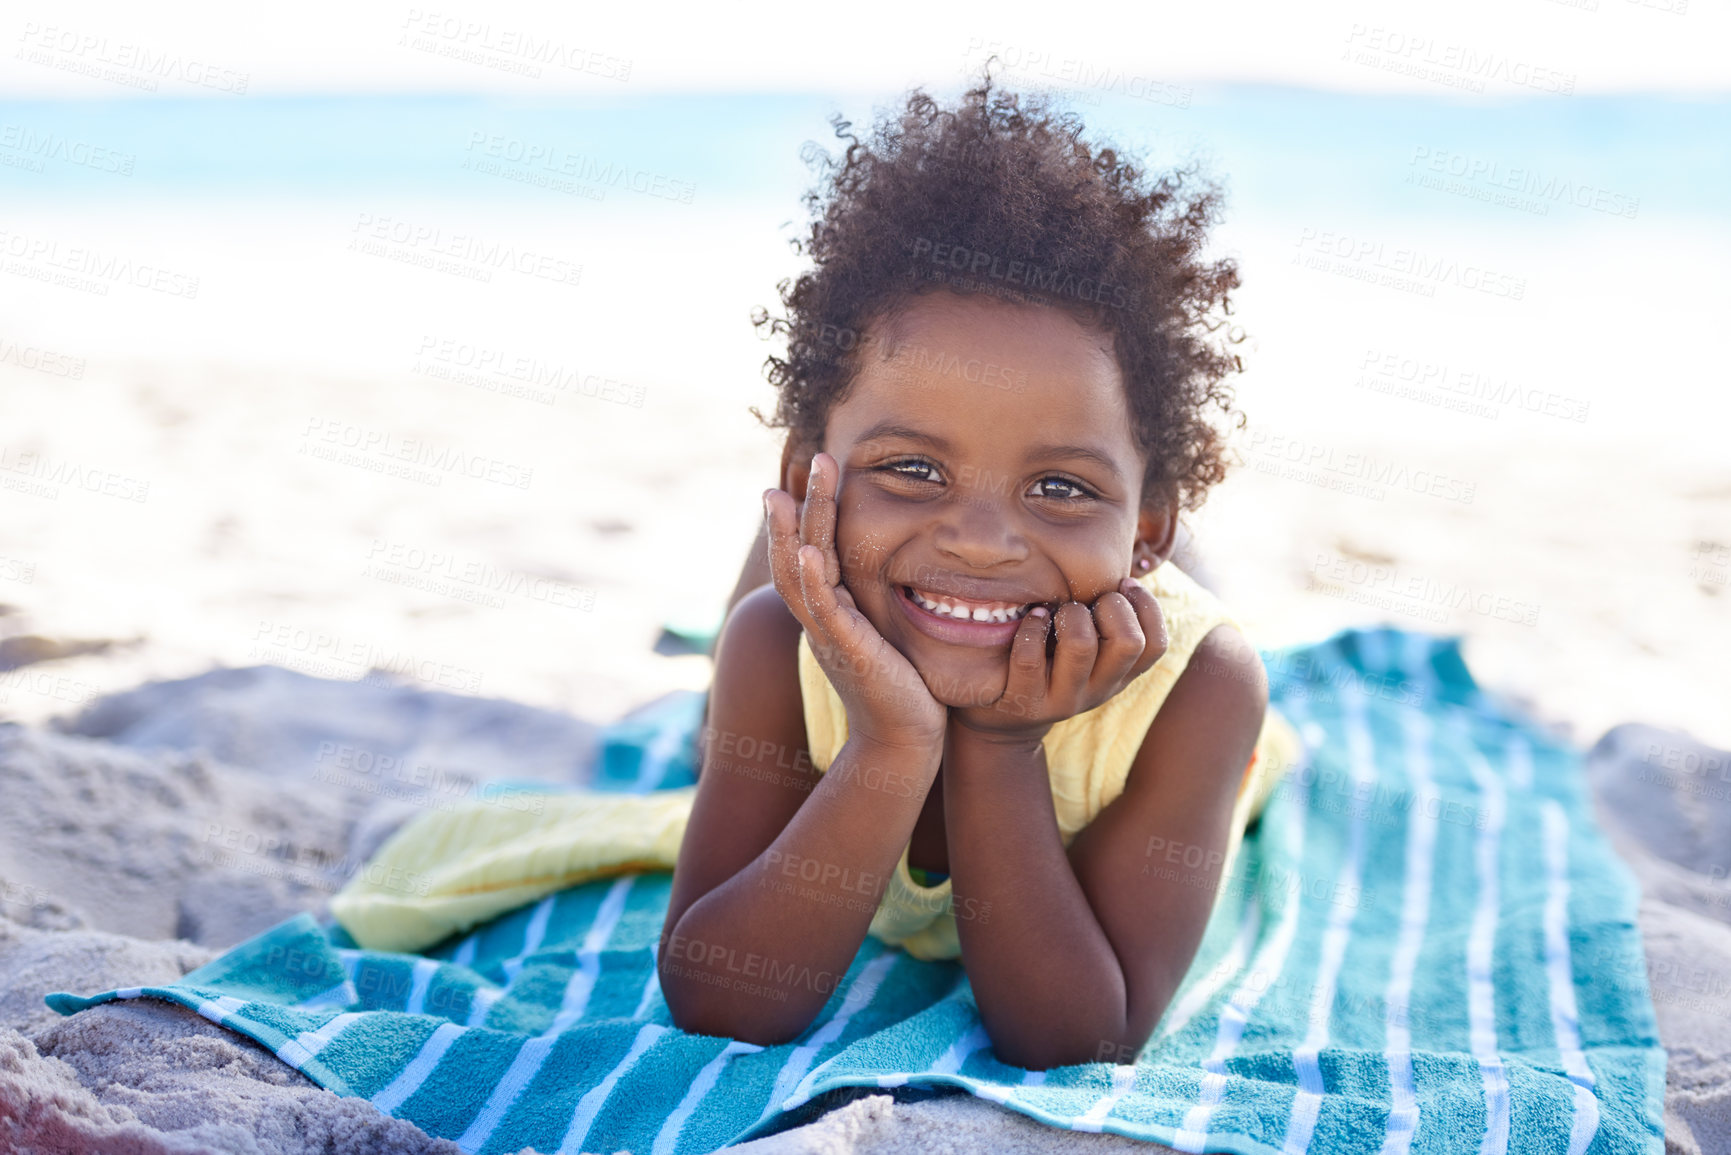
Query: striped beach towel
point(1426, 945)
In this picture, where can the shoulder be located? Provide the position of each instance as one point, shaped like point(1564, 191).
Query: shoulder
point(755, 685)
point(1226, 672)
point(760, 625)
point(1210, 720)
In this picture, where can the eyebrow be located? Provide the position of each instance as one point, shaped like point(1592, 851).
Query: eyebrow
point(889, 427)
point(892, 428)
point(1083, 452)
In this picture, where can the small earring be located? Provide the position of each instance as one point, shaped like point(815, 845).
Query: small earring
point(1143, 564)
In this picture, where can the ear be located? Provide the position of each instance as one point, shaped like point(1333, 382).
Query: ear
point(796, 456)
point(1156, 534)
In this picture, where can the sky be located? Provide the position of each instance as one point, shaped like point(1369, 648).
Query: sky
point(85, 48)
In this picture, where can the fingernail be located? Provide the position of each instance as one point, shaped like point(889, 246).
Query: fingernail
point(1126, 585)
point(766, 503)
point(1037, 612)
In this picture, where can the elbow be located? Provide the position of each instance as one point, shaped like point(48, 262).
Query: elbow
point(1047, 1054)
point(700, 1009)
point(1116, 1043)
point(719, 1022)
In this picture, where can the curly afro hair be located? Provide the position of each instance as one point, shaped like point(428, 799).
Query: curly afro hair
point(1001, 196)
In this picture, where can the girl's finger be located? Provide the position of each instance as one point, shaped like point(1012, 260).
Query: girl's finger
point(1073, 659)
point(817, 519)
point(784, 554)
point(844, 598)
point(1025, 691)
point(1121, 642)
point(819, 596)
point(1153, 622)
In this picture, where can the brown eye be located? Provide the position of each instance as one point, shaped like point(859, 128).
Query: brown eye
point(911, 470)
point(1076, 491)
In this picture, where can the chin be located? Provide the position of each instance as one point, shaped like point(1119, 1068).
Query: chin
point(957, 676)
point(978, 681)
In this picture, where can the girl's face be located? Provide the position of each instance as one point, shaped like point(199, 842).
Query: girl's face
point(987, 464)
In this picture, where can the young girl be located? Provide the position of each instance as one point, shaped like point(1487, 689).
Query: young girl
point(978, 713)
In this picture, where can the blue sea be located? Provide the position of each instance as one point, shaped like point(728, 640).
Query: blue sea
point(1283, 151)
point(1541, 239)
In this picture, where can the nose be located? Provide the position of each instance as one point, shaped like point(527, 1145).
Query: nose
point(975, 530)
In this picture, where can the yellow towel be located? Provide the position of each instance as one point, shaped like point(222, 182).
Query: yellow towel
point(446, 871)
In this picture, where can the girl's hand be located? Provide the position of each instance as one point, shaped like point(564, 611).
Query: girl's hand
point(1098, 653)
point(887, 701)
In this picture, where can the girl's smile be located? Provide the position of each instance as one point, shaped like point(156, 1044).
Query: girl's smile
point(958, 621)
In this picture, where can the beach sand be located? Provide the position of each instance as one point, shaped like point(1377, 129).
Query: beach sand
point(1595, 579)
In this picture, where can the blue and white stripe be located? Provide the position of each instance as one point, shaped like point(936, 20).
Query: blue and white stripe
point(578, 1050)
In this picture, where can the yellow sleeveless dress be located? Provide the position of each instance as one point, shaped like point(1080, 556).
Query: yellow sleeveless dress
point(1088, 758)
point(446, 871)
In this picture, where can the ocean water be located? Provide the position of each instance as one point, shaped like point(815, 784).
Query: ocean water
point(1512, 248)
point(1282, 150)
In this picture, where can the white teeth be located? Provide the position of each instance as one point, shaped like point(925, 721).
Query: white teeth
point(966, 613)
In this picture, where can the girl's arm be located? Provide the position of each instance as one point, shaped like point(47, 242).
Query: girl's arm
point(781, 869)
point(1073, 956)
